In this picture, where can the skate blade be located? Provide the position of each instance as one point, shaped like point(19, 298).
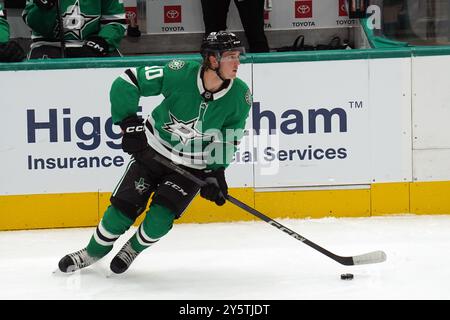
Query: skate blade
point(58, 272)
point(109, 274)
point(98, 270)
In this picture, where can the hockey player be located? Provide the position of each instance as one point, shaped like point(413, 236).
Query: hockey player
point(91, 28)
point(198, 125)
point(10, 50)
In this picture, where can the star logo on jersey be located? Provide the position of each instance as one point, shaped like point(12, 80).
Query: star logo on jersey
point(75, 21)
point(176, 64)
point(185, 131)
point(141, 186)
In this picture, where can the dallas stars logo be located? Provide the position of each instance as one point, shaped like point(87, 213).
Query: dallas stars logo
point(184, 130)
point(75, 21)
point(176, 64)
point(141, 186)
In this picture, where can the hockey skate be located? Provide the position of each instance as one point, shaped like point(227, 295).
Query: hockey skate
point(123, 259)
point(75, 261)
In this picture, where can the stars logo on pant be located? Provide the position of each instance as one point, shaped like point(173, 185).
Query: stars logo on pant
point(141, 186)
point(75, 21)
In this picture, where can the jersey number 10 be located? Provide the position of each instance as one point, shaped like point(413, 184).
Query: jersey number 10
point(153, 72)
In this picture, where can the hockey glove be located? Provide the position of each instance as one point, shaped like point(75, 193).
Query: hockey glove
point(216, 188)
point(11, 51)
point(45, 4)
point(134, 139)
point(96, 46)
point(93, 46)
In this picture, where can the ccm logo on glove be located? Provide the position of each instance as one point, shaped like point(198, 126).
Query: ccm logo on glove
point(134, 139)
point(134, 129)
point(95, 46)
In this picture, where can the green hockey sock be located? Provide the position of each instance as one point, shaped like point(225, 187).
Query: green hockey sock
point(158, 222)
point(113, 224)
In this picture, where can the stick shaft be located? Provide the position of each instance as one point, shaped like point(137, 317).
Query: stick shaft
point(61, 29)
point(372, 257)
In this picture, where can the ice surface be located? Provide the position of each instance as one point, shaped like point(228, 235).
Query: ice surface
point(241, 260)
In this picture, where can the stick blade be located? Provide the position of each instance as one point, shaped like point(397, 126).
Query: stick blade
point(371, 257)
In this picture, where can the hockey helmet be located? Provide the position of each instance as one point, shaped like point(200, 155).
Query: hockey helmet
point(218, 42)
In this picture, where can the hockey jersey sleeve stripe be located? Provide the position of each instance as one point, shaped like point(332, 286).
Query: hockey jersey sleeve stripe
point(130, 77)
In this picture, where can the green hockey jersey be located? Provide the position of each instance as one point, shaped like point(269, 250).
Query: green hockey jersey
point(191, 126)
point(81, 19)
point(4, 27)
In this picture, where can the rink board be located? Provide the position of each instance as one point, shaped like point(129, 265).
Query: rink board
point(86, 209)
point(339, 136)
point(186, 16)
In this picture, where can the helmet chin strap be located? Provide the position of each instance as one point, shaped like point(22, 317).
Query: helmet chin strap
point(218, 74)
point(217, 70)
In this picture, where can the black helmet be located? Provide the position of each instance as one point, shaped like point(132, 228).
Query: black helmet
point(218, 42)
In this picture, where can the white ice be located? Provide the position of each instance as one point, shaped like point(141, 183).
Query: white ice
point(241, 260)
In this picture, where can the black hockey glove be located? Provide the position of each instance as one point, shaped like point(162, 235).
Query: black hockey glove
point(134, 139)
point(216, 188)
point(96, 46)
point(45, 4)
point(93, 46)
point(11, 51)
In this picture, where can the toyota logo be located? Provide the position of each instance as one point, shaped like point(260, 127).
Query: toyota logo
point(172, 14)
point(131, 15)
point(303, 9)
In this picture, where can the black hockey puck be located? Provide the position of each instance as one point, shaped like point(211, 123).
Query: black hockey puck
point(346, 276)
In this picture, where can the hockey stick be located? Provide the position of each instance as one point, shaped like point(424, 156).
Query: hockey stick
point(367, 258)
point(61, 29)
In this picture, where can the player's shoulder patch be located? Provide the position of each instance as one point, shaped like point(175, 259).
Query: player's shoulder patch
point(244, 90)
point(176, 64)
